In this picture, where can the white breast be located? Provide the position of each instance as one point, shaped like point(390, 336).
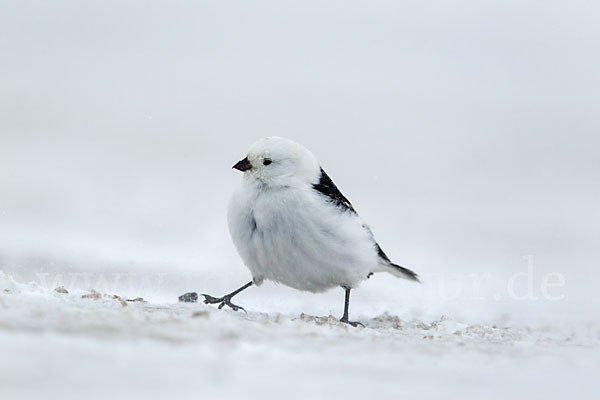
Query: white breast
point(294, 237)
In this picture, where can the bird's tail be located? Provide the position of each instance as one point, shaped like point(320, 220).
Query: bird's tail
point(401, 272)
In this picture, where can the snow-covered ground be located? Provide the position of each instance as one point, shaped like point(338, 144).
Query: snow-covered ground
point(86, 344)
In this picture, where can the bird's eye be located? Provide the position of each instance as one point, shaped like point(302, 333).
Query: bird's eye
point(267, 161)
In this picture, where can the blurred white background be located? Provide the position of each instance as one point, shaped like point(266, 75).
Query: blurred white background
point(465, 133)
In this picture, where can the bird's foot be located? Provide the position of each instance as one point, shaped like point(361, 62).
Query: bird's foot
point(352, 323)
point(224, 301)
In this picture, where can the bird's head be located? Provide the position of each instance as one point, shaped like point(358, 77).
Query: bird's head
point(279, 162)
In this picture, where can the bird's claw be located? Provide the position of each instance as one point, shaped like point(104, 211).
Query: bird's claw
point(352, 323)
point(356, 324)
point(208, 299)
point(223, 301)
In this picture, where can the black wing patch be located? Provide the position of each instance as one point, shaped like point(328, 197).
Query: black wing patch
point(328, 188)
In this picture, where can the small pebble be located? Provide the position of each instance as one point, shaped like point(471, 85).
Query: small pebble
point(189, 297)
point(92, 295)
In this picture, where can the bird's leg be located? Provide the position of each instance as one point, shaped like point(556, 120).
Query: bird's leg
point(226, 300)
point(346, 306)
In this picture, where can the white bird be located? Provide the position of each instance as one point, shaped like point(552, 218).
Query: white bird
point(291, 225)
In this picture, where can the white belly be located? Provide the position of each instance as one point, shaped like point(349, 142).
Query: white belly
point(295, 238)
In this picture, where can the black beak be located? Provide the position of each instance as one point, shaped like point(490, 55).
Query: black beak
point(243, 165)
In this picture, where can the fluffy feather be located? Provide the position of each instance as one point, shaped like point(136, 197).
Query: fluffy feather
point(291, 224)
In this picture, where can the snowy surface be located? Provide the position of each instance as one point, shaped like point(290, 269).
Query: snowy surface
point(86, 344)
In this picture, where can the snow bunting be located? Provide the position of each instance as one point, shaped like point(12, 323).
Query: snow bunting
point(292, 225)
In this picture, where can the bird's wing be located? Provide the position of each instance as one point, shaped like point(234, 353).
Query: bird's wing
point(327, 188)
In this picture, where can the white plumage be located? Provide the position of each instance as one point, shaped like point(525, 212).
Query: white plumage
point(292, 225)
point(288, 232)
